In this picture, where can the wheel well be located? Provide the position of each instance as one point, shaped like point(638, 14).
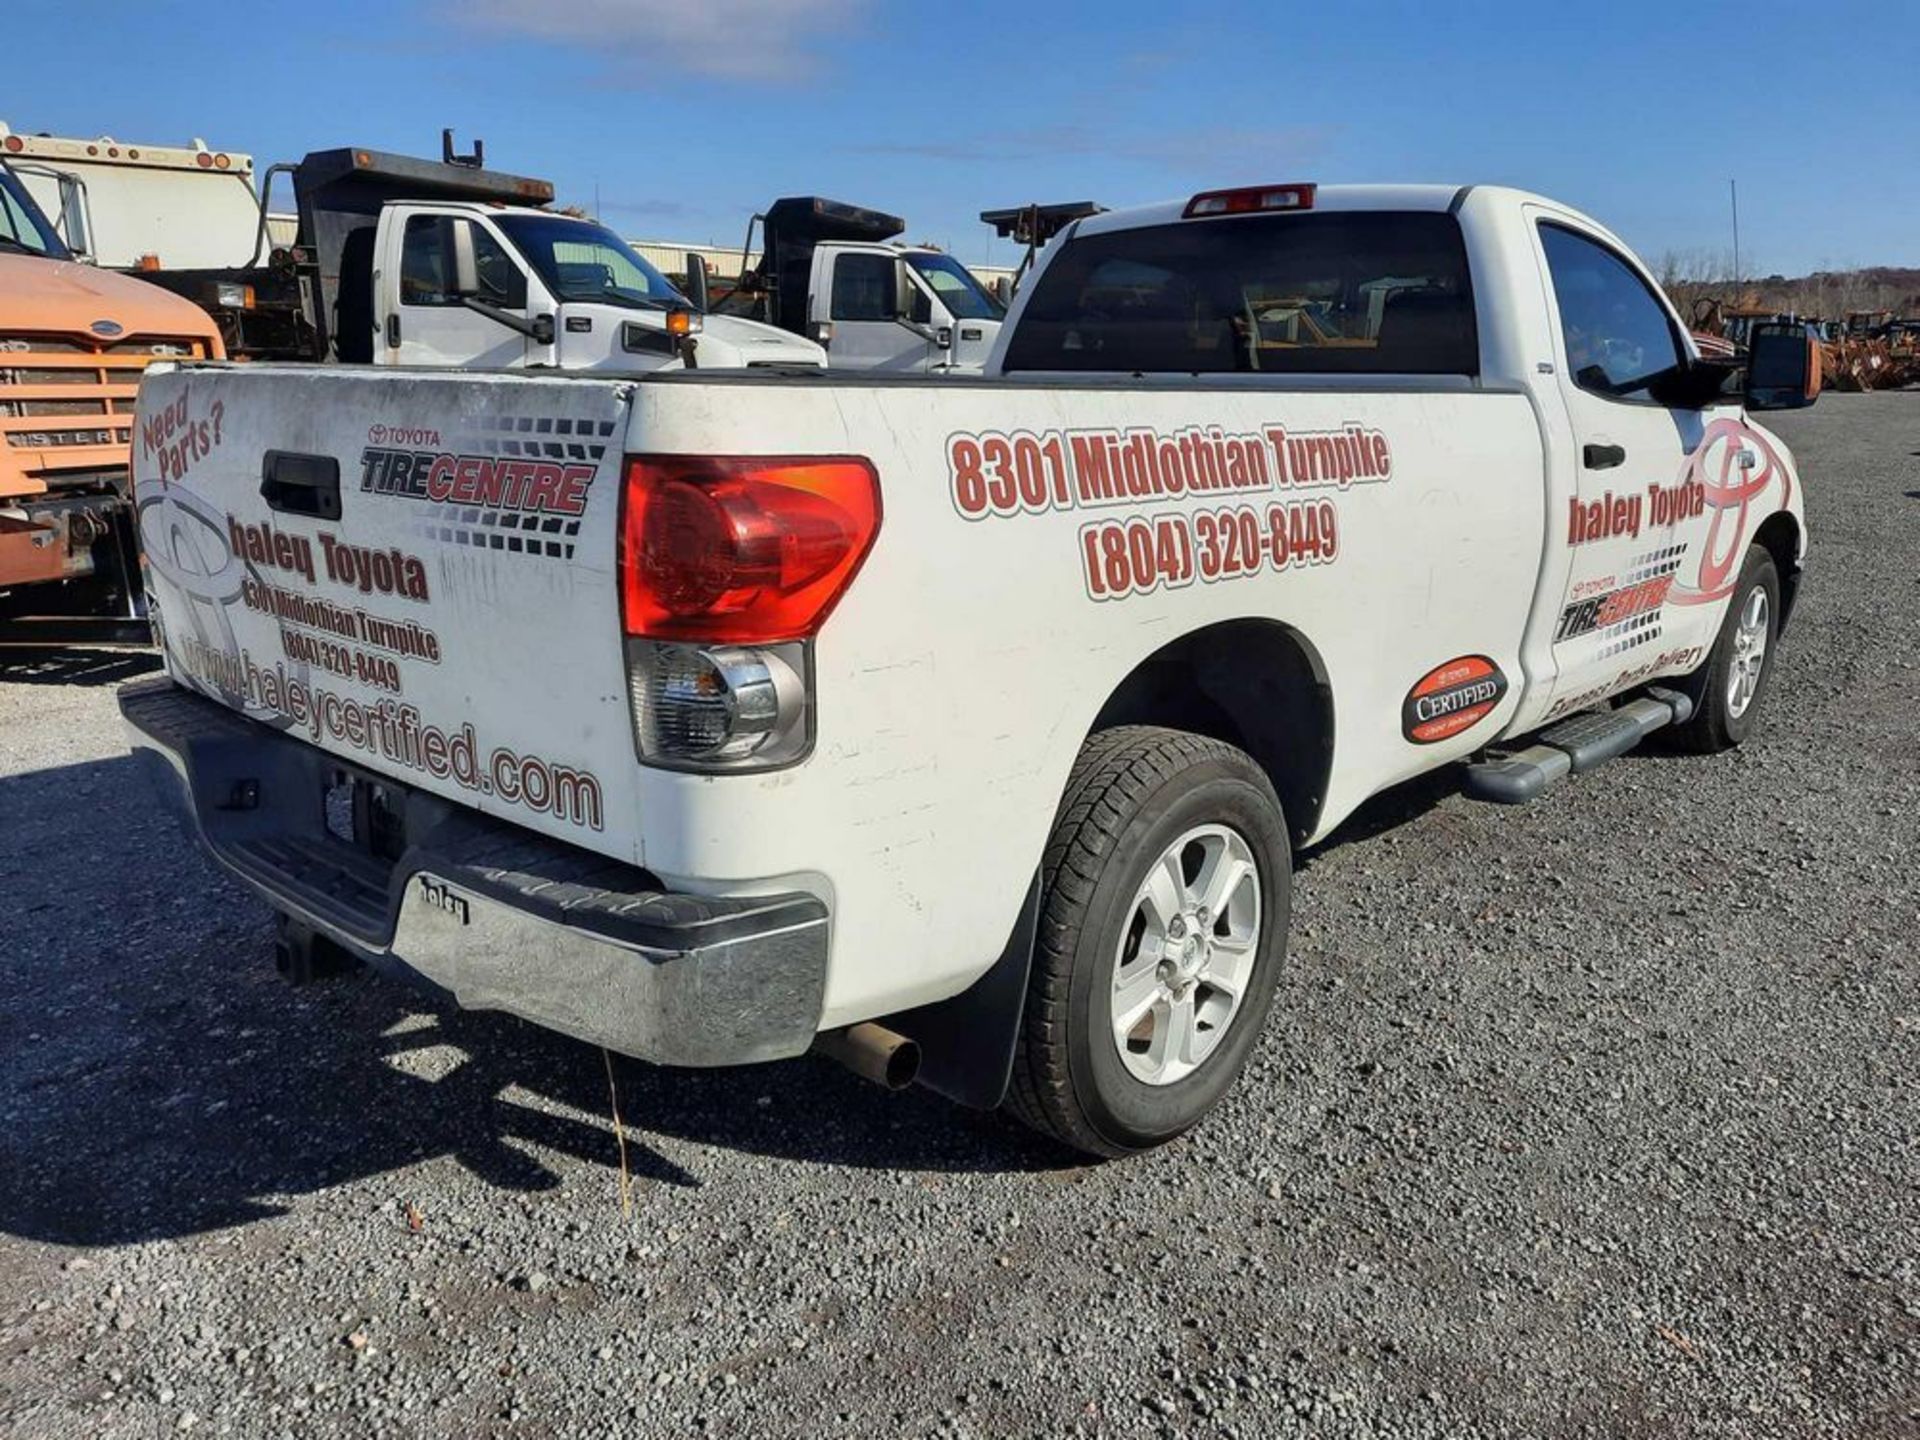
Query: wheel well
point(1780, 535)
point(1254, 683)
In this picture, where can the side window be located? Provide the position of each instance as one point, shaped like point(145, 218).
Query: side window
point(15, 226)
point(1618, 336)
point(425, 262)
point(863, 287)
point(426, 266)
point(502, 281)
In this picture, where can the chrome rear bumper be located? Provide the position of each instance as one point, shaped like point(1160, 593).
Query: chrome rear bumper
point(502, 918)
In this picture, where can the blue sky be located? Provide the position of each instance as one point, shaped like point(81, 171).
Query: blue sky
point(685, 116)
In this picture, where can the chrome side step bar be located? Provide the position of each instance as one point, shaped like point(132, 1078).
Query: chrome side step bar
point(1579, 743)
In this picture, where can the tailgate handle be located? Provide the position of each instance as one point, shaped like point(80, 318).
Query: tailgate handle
point(296, 484)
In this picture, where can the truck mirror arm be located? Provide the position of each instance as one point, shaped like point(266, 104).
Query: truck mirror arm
point(538, 328)
point(260, 246)
point(1691, 385)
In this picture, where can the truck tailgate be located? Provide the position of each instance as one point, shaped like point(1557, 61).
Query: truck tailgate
point(412, 571)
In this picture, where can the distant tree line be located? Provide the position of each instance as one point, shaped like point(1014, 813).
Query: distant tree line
point(1689, 275)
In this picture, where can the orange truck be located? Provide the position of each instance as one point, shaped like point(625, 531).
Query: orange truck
point(74, 340)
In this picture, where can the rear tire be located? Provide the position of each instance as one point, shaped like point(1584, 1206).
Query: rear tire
point(1729, 687)
point(1166, 888)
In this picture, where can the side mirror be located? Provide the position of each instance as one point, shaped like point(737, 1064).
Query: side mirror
point(467, 289)
point(903, 292)
point(697, 290)
point(910, 301)
point(1783, 368)
point(1693, 385)
point(466, 269)
point(73, 217)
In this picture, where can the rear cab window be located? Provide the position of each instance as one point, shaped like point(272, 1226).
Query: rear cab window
point(1333, 292)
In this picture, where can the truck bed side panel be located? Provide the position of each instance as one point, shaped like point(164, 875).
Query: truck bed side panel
point(963, 670)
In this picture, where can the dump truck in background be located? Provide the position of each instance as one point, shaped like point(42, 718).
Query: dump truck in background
point(835, 273)
point(403, 261)
point(1033, 227)
point(314, 299)
point(74, 341)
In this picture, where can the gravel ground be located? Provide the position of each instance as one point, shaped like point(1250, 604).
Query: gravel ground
point(1591, 1118)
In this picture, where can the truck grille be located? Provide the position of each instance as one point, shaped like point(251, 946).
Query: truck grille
point(66, 404)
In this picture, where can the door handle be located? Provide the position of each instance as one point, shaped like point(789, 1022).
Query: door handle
point(296, 484)
point(393, 329)
point(1603, 457)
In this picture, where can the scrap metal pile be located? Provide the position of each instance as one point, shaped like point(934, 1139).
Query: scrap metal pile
point(1872, 352)
point(1869, 350)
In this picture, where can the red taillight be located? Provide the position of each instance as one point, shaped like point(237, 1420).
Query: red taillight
point(746, 550)
point(1250, 200)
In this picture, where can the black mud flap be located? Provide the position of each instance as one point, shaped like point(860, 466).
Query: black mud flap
point(967, 1043)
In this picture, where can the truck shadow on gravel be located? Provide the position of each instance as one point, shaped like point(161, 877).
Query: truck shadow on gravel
point(183, 1117)
point(158, 1080)
point(85, 667)
point(1389, 810)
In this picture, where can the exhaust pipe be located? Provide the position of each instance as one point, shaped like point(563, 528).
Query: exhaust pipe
point(873, 1052)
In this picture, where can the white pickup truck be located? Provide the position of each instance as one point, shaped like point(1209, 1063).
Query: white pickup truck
point(964, 728)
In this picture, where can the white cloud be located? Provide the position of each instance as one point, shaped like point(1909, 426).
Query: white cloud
point(646, 42)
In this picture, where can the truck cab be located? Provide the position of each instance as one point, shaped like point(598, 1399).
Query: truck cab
point(499, 286)
point(834, 273)
point(74, 341)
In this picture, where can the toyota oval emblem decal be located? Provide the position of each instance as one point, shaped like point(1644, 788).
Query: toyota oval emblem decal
point(1450, 698)
point(106, 327)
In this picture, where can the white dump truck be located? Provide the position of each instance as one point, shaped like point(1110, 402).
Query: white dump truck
point(835, 273)
point(966, 728)
point(395, 260)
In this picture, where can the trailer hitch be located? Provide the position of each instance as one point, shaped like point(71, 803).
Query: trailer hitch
point(302, 957)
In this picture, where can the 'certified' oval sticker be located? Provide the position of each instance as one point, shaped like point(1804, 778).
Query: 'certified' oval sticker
point(1450, 698)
